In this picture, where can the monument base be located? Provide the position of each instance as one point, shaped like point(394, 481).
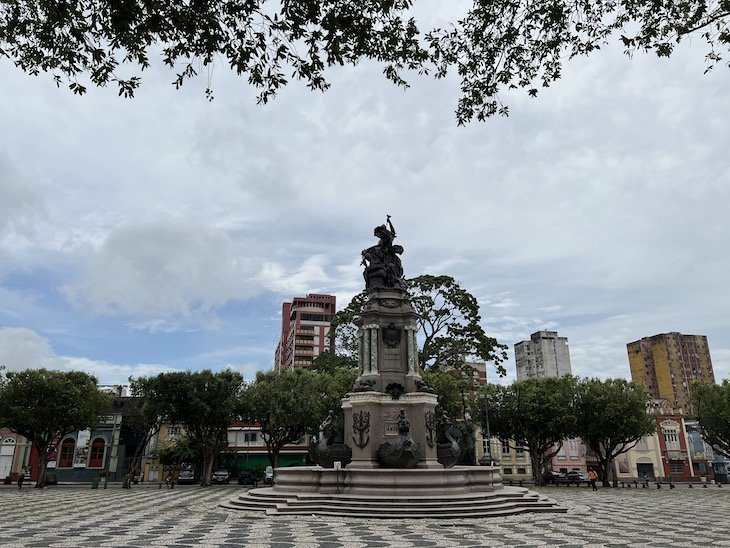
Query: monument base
point(459, 492)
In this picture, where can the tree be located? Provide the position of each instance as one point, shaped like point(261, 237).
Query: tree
point(258, 40)
point(711, 403)
point(203, 401)
point(44, 406)
point(286, 406)
point(536, 413)
point(498, 45)
point(507, 44)
point(329, 363)
point(611, 418)
point(181, 451)
point(457, 398)
point(449, 325)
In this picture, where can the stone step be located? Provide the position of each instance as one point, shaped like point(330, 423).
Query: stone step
point(473, 505)
point(520, 494)
point(406, 506)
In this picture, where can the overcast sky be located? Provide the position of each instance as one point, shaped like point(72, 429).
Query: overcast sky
point(164, 232)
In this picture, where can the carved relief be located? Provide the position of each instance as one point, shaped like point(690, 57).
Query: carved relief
point(361, 427)
point(391, 336)
point(430, 429)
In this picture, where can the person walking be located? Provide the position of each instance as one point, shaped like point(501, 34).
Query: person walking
point(21, 478)
point(592, 477)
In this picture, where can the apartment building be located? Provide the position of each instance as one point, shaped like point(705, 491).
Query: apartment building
point(305, 325)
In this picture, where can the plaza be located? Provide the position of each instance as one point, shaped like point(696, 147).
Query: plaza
point(190, 516)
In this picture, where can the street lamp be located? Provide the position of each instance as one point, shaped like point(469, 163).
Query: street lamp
point(488, 445)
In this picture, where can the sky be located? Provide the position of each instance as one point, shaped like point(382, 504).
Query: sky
point(163, 232)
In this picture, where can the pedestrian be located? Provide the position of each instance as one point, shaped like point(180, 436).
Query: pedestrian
point(592, 477)
point(21, 478)
point(646, 481)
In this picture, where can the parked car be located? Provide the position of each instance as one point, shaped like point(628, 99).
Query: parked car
point(186, 476)
point(577, 478)
point(269, 476)
point(551, 476)
point(247, 477)
point(220, 476)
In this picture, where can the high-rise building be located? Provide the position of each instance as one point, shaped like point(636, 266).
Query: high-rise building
point(305, 325)
point(544, 355)
point(666, 364)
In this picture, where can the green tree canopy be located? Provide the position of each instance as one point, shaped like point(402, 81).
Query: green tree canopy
point(287, 406)
point(506, 44)
point(330, 363)
point(203, 401)
point(611, 418)
point(536, 413)
point(496, 46)
point(266, 42)
point(711, 403)
point(449, 325)
point(45, 405)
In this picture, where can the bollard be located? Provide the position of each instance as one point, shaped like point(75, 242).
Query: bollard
point(690, 486)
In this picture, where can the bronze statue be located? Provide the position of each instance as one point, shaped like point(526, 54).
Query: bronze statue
point(383, 267)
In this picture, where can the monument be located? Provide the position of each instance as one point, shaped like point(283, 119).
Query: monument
point(390, 464)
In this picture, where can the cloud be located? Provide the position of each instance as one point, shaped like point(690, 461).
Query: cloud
point(168, 267)
point(22, 348)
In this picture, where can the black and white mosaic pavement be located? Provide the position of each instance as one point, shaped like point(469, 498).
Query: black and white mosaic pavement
point(190, 516)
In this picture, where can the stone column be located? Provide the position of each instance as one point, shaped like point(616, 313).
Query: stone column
point(411, 349)
point(360, 352)
point(365, 352)
point(373, 348)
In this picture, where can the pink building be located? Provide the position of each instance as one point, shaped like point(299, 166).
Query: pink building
point(305, 325)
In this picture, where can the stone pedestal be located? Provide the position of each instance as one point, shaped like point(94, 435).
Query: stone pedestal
point(371, 418)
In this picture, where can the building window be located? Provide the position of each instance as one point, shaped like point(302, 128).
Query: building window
point(505, 447)
point(66, 455)
point(173, 432)
point(676, 467)
point(573, 447)
point(251, 437)
point(507, 471)
point(521, 471)
point(96, 453)
point(671, 438)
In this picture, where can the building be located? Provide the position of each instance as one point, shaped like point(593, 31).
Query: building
point(544, 355)
point(675, 450)
point(305, 324)
point(666, 365)
point(547, 355)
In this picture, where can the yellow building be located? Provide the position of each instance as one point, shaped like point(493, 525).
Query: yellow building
point(153, 470)
point(666, 364)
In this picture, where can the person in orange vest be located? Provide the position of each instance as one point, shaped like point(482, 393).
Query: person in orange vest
point(592, 477)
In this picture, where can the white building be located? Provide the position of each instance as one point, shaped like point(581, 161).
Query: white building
point(544, 355)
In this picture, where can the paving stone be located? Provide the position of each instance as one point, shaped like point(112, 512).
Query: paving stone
point(144, 516)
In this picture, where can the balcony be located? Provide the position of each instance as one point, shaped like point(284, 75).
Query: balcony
point(676, 455)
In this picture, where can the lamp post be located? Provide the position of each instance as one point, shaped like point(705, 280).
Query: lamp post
point(488, 434)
